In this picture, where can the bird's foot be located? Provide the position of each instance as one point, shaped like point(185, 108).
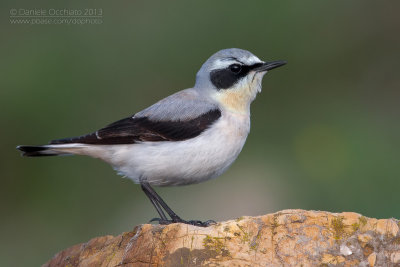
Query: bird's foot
point(201, 224)
point(179, 220)
point(161, 221)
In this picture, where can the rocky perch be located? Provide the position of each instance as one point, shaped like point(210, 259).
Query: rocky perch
point(285, 238)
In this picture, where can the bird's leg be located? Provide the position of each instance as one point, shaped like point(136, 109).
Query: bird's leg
point(153, 196)
point(156, 205)
point(158, 201)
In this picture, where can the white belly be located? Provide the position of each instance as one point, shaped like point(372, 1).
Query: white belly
point(185, 162)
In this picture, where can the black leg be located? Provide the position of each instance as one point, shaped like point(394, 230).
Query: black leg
point(153, 195)
point(156, 205)
point(159, 203)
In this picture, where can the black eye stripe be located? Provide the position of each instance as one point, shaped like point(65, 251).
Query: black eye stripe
point(225, 78)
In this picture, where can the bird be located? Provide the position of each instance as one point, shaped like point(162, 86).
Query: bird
point(186, 138)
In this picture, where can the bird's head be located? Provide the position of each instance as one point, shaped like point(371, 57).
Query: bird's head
point(233, 78)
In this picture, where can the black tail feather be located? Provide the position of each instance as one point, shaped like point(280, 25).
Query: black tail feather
point(34, 151)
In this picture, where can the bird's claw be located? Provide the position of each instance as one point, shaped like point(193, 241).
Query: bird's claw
point(161, 221)
point(201, 224)
point(179, 220)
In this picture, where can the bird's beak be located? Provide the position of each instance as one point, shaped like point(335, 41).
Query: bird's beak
point(266, 66)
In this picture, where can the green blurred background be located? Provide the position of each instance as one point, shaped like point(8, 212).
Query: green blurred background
point(325, 130)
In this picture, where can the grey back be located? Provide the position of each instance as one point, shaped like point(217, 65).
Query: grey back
point(181, 106)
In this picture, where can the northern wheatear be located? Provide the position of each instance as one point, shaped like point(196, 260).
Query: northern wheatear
point(186, 138)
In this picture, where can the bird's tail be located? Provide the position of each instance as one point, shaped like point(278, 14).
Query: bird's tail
point(50, 150)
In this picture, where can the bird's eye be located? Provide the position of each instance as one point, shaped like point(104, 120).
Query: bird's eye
point(235, 68)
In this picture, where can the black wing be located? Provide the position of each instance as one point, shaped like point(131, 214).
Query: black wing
point(132, 130)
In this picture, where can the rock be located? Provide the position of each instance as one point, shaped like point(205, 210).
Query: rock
point(285, 238)
point(345, 251)
point(364, 239)
point(395, 257)
point(372, 259)
point(387, 227)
